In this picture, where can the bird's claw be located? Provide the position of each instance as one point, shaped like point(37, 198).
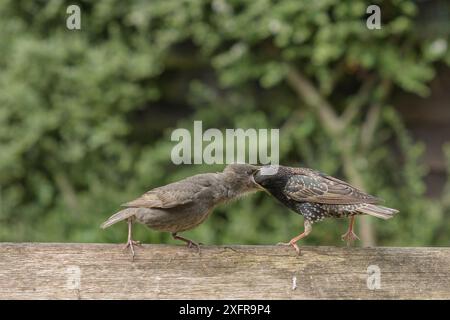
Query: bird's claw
point(192, 244)
point(292, 244)
point(189, 243)
point(349, 237)
point(130, 244)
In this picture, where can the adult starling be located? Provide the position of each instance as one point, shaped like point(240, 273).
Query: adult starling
point(185, 204)
point(316, 196)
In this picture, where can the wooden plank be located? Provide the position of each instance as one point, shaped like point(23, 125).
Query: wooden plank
point(105, 271)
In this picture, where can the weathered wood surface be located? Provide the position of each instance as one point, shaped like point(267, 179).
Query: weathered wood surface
point(105, 271)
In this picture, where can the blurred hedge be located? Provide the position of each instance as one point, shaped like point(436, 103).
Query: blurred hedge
point(86, 116)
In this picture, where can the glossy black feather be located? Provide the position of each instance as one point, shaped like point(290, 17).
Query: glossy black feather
point(316, 195)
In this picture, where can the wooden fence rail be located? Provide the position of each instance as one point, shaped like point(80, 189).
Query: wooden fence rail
point(105, 271)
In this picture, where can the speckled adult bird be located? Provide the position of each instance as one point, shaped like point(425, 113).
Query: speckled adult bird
point(185, 204)
point(316, 196)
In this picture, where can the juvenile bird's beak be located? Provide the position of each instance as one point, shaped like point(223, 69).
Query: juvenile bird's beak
point(254, 178)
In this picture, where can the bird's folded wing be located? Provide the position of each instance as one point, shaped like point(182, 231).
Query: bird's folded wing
point(324, 189)
point(165, 197)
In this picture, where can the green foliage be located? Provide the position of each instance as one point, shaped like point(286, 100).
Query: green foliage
point(86, 116)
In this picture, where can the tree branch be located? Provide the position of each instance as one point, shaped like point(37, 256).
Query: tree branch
point(358, 101)
point(308, 93)
point(369, 126)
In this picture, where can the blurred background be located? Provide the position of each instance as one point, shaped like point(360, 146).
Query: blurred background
point(86, 115)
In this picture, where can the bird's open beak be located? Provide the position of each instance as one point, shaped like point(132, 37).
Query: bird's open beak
point(252, 178)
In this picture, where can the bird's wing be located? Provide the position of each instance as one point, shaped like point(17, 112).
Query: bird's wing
point(171, 195)
point(159, 199)
point(320, 188)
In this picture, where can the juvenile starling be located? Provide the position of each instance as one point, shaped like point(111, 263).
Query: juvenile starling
point(316, 196)
point(185, 204)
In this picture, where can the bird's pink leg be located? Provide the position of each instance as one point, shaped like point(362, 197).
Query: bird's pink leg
point(189, 243)
point(350, 236)
point(293, 242)
point(130, 243)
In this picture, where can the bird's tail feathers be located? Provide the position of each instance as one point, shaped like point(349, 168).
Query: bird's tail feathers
point(378, 211)
point(119, 216)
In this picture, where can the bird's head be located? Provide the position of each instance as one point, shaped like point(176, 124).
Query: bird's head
point(266, 176)
point(240, 175)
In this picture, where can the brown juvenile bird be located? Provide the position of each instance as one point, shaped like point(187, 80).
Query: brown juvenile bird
point(316, 196)
point(185, 204)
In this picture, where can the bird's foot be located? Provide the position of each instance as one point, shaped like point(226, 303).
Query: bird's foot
point(192, 244)
point(130, 244)
point(189, 243)
point(349, 237)
point(292, 244)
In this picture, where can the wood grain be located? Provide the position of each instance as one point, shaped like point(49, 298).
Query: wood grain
point(50, 270)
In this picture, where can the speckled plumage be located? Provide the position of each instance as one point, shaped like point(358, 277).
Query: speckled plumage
point(317, 196)
point(318, 211)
